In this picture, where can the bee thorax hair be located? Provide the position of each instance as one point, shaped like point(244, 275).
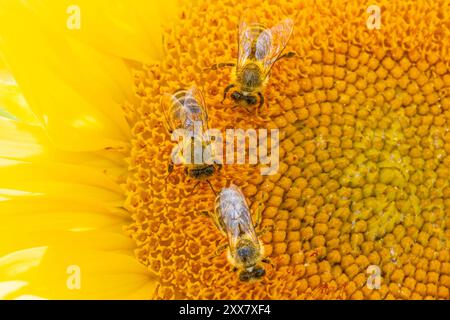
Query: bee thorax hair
point(247, 253)
point(250, 77)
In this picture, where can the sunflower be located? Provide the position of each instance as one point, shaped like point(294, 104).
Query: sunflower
point(364, 151)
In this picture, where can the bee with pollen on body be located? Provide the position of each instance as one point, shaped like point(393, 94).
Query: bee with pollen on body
point(259, 49)
point(232, 217)
point(185, 110)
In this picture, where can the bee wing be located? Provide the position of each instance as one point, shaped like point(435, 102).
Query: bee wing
point(246, 40)
point(271, 43)
point(195, 107)
point(183, 109)
point(167, 104)
point(239, 220)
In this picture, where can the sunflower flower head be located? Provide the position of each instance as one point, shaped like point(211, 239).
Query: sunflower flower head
point(363, 178)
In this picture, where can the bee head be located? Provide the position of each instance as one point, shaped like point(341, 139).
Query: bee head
point(256, 273)
point(251, 100)
point(259, 272)
point(237, 96)
point(245, 276)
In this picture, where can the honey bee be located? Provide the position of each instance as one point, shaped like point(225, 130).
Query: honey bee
point(186, 109)
point(232, 217)
point(259, 49)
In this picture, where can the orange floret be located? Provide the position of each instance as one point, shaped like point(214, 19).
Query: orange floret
point(365, 151)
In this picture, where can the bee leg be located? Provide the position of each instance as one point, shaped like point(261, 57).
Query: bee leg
point(268, 261)
point(221, 65)
point(265, 230)
point(210, 185)
point(209, 214)
point(258, 217)
point(288, 55)
point(228, 88)
point(195, 186)
point(219, 250)
point(218, 164)
point(261, 100)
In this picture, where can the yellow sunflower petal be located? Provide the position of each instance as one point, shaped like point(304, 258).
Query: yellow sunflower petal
point(21, 141)
point(62, 148)
point(130, 29)
point(50, 273)
point(6, 287)
point(57, 178)
point(30, 143)
point(75, 91)
point(12, 102)
point(68, 202)
point(97, 238)
point(22, 217)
